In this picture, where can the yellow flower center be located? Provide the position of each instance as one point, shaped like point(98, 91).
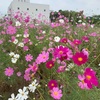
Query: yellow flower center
point(60, 52)
point(76, 42)
point(22, 93)
point(83, 81)
point(9, 71)
point(64, 41)
point(52, 84)
point(55, 93)
point(50, 65)
point(80, 59)
point(44, 57)
point(88, 77)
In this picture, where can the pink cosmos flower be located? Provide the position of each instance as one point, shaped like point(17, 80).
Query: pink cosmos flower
point(11, 30)
point(26, 40)
point(94, 34)
point(13, 38)
point(85, 51)
point(28, 57)
point(90, 77)
point(18, 74)
point(25, 48)
point(85, 38)
point(43, 57)
point(80, 58)
point(9, 71)
point(56, 93)
point(1, 41)
point(61, 69)
point(33, 67)
point(27, 77)
point(52, 84)
point(82, 84)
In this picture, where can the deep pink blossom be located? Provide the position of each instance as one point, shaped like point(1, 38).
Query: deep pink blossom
point(62, 53)
point(90, 77)
point(80, 58)
point(77, 42)
point(49, 64)
point(52, 84)
point(63, 40)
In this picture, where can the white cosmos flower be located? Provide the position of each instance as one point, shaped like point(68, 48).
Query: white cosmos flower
point(23, 94)
point(83, 24)
point(43, 32)
point(32, 86)
point(11, 54)
point(18, 35)
point(21, 44)
point(13, 97)
point(18, 23)
point(26, 35)
point(16, 56)
point(61, 21)
point(92, 26)
point(57, 39)
point(15, 41)
point(71, 65)
point(80, 21)
point(14, 60)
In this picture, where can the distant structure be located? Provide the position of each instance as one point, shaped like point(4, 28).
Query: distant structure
point(36, 11)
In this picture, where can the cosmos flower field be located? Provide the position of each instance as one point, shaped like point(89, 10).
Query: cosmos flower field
point(49, 61)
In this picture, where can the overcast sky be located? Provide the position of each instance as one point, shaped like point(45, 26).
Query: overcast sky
point(90, 7)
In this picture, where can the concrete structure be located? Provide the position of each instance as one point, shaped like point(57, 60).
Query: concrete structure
point(34, 10)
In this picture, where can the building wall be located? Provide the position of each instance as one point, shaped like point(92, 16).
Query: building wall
point(34, 10)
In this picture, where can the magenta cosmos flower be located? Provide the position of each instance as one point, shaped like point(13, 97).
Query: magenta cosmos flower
point(80, 58)
point(62, 53)
point(28, 57)
point(77, 42)
point(49, 64)
point(52, 84)
point(85, 38)
point(33, 67)
point(63, 40)
point(90, 77)
point(56, 93)
point(11, 30)
point(9, 71)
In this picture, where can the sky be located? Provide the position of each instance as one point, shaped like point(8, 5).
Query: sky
point(90, 7)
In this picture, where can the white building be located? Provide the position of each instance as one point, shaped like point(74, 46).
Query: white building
point(34, 10)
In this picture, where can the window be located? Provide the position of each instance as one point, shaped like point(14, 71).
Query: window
point(36, 9)
point(44, 10)
point(18, 8)
point(27, 8)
